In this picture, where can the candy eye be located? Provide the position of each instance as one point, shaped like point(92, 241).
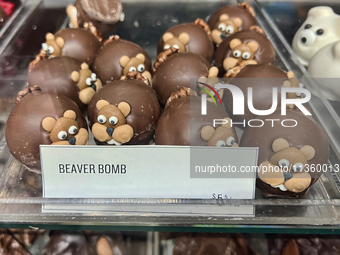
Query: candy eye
point(88, 81)
point(246, 55)
point(101, 119)
point(222, 27)
point(166, 46)
point(230, 141)
point(230, 29)
point(176, 46)
point(308, 26)
point(319, 32)
point(51, 49)
point(93, 77)
point(141, 68)
point(220, 143)
point(283, 163)
point(298, 167)
point(113, 120)
point(72, 130)
point(132, 69)
point(237, 53)
point(44, 46)
point(62, 135)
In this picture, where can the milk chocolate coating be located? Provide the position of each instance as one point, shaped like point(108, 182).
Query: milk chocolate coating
point(304, 245)
point(80, 44)
point(264, 55)
point(54, 76)
point(199, 42)
point(262, 78)
point(307, 132)
point(181, 122)
point(3, 17)
point(175, 73)
point(107, 66)
point(24, 132)
point(9, 246)
point(211, 244)
point(233, 12)
point(145, 109)
point(70, 243)
point(104, 14)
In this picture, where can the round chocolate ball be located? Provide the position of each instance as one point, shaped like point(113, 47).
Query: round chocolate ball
point(3, 17)
point(181, 123)
point(105, 15)
point(24, 129)
point(53, 75)
point(286, 142)
point(80, 44)
point(248, 46)
point(262, 79)
point(109, 64)
point(187, 37)
point(176, 71)
point(142, 115)
point(229, 20)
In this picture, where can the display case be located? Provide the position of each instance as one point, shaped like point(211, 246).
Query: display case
point(21, 200)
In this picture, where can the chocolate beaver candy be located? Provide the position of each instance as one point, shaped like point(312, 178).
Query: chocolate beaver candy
point(182, 123)
point(124, 112)
point(118, 57)
point(105, 15)
point(188, 37)
point(262, 79)
point(79, 43)
point(211, 244)
point(40, 118)
point(291, 147)
point(229, 20)
point(250, 46)
point(176, 71)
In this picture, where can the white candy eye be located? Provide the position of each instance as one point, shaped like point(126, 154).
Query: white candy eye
point(230, 141)
point(237, 53)
point(132, 69)
point(246, 55)
point(101, 119)
point(51, 49)
point(176, 46)
point(113, 120)
point(72, 130)
point(44, 46)
point(222, 27)
point(141, 68)
point(62, 135)
point(298, 167)
point(88, 81)
point(220, 143)
point(166, 46)
point(93, 77)
point(230, 29)
point(284, 163)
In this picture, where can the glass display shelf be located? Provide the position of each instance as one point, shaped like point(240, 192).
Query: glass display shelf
point(20, 190)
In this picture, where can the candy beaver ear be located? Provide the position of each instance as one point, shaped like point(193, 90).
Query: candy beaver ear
point(141, 57)
point(227, 123)
point(101, 103)
point(213, 72)
point(237, 21)
point(280, 144)
point(48, 123)
point(124, 60)
point(70, 114)
point(308, 151)
point(223, 17)
point(207, 132)
point(184, 38)
point(75, 76)
point(167, 36)
point(60, 42)
point(253, 45)
point(234, 43)
point(124, 108)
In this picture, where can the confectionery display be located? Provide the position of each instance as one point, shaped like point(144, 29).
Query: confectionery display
point(319, 29)
point(189, 37)
point(293, 151)
point(181, 123)
point(40, 118)
point(117, 57)
point(124, 112)
point(262, 79)
point(229, 20)
point(251, 46)
point(173, 71)
point(105, 15)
